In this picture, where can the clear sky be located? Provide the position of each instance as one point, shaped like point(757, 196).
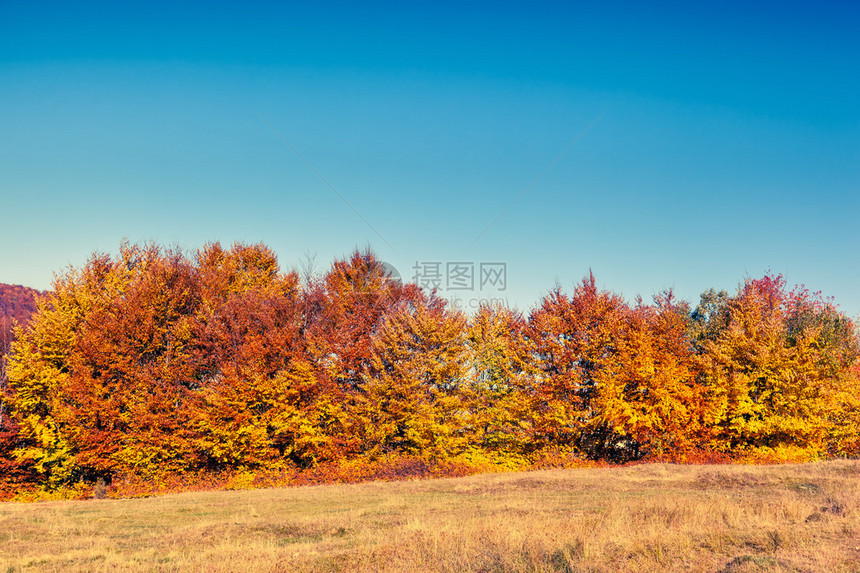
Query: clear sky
point(711, 141)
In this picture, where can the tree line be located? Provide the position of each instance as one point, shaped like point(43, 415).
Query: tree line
point(155, 362)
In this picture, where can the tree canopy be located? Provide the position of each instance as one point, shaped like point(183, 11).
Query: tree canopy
point(155, 363)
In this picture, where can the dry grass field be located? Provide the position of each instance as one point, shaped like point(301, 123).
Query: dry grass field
point(640, 518)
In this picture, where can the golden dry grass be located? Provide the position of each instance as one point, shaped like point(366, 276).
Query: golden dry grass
point(643, 518)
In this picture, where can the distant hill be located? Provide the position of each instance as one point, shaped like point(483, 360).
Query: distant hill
point(17, 304)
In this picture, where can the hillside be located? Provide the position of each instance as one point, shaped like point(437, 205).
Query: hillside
point(656, 517)
point(17, 301)
point(17, 304)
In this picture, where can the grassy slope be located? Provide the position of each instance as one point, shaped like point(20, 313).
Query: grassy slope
point(642, 518)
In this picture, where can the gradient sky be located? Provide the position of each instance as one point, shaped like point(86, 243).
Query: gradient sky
point(712, 141)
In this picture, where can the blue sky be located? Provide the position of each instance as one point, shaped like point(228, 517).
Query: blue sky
point(712, 142)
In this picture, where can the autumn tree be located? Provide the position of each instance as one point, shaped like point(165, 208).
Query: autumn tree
point(647, 390)
point(40, 367)
point(410, 399)
point(345, 307)
point(262, 403)
point(101, 379)
point(502, 382)
point(829, 340)
point(573, 336)
point(774, 370)
point(17, 305)
point(154, 363)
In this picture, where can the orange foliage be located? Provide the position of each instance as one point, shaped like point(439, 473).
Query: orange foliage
point(778, 371)
point(411, 400)
point(153, 367)
point(573, 338)
point(646, 387)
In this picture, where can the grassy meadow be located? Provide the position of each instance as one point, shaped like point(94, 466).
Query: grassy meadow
point(655, 517)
